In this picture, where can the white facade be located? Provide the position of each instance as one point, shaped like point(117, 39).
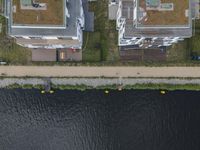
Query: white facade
point(143, 40)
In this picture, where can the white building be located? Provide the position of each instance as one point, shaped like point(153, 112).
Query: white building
point(50, 25)
point(153, 23)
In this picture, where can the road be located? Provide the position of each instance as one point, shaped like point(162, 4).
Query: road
point(65, 71)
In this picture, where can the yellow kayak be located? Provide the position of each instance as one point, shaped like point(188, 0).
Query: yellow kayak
point(42, 91)
point(106, 91)
point(51, 92)
point(162, 92)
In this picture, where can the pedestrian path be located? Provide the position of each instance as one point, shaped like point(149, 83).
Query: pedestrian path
point(83, 71)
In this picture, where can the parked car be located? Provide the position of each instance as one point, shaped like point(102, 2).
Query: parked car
point(195, 57)
point(3, 63)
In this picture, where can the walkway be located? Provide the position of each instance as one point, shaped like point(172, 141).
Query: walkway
point(64, 71)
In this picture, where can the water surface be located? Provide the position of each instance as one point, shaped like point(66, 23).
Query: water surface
point(92, 120)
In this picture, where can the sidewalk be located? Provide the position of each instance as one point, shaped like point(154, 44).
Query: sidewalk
point(65, 71)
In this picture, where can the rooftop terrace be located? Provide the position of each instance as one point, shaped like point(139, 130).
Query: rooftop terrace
point(163, 13)
point(38, 12)
point(152, 21)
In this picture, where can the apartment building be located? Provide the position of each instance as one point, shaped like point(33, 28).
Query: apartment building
point(153, 23)
point(45, 24)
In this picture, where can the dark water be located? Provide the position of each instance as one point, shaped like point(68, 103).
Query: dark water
point(91, 120)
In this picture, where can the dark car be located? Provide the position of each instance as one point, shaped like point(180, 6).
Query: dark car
point(195, 57)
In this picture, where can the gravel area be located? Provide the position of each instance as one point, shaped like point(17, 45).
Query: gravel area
point(10, 81)
point(125, 81)
point(94, 82)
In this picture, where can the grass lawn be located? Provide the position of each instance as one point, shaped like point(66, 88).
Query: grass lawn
point(195, 40)
point(195, 44)
point(101, 45)
point(113, 51)
point(1, 6)
point(178, 52)
point(91, 47)
point(10, 51)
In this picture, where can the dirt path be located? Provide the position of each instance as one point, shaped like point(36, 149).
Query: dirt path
point(63, 71)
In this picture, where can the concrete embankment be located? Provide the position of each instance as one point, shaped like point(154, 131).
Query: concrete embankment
point(67, 83)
